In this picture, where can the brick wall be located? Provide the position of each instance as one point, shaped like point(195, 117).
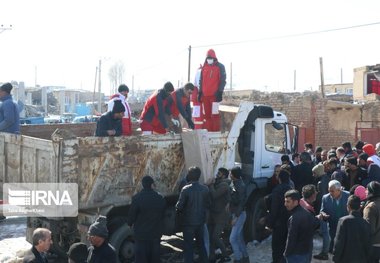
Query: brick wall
point(324, 122)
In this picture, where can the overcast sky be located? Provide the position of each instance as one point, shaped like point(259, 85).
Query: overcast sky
point(60, 43)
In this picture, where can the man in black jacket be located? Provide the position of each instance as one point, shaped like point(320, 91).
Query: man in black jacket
point(301, 226)
point(237, 209)
point(278, 218)
point(303, 173)
point(193, 203)
point(109, 123)
point(353, 236)
point(219, 214)
point(41, 244)
point(100, 250)
point(146, 214)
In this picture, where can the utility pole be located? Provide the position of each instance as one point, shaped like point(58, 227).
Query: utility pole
point(189, 65)
point(35, 76)
point(322, 78)
point(295, 79)
point(133, 85)
point(93, 95)
point(230, 80)
point(100, 88)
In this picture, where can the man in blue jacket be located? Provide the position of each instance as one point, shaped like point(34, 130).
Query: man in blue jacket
point(334, 206)
point(9, 112)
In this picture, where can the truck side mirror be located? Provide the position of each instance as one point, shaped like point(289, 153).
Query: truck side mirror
point(277, 126)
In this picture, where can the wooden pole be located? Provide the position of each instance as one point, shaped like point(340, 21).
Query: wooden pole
point(100, 88)
point(93, 96)
point(189, 65)
point(322, 78)
point(230, 79)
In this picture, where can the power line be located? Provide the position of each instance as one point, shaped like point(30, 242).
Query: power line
point(159, 63)
point(3, 28)
point(287, 36)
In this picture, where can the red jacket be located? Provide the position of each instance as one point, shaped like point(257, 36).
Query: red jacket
point(126, 122)
point(182, 107)
point(154, 109)
point(213, 77)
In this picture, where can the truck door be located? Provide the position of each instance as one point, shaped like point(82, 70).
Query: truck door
point(272, 143)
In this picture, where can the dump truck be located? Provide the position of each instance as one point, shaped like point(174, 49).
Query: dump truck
point(108, 170)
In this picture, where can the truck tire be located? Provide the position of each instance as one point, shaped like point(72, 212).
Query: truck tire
point(253, 228)
point(123, 242)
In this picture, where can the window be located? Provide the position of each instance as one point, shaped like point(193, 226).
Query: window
point(275, 139)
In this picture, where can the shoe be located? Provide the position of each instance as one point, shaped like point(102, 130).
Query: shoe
point(321, 256)
point(224, 259)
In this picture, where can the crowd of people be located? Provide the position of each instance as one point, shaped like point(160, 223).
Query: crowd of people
point(335, 193)
point(202, 213)
point(322, 192)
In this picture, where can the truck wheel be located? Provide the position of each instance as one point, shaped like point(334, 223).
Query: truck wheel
point(254, 229)
point(123, 242)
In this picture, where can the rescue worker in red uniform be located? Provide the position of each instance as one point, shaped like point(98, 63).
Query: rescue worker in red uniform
point(212, 83)
point(153, 115)
point(126, 121)
point(197, 113)
point(179, 103)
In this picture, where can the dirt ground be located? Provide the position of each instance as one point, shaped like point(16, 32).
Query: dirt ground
point(13, 245)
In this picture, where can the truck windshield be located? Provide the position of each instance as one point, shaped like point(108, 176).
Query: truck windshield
point(275, 139)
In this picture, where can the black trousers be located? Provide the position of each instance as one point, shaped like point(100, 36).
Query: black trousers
point(215, 231)
point(279, 236)
point(147, 251)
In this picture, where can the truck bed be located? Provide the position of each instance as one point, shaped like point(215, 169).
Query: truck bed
point(107, 169)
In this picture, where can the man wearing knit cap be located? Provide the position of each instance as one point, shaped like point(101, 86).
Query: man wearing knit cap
point(212, 83)
point(146, 215)
point(122, 95)
point(77, 253)
point(9, 112)
point(100, 250)
point(109, 123)
point(372, 155)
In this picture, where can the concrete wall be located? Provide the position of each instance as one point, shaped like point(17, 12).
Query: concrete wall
point(359, 83)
